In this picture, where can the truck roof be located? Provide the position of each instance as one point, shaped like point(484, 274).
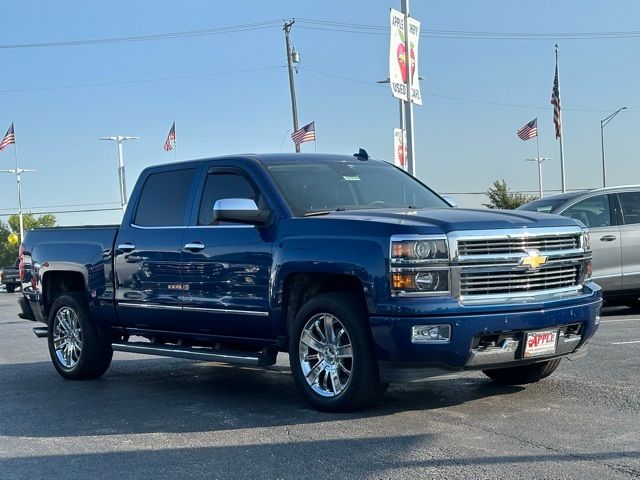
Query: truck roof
point(267, 158)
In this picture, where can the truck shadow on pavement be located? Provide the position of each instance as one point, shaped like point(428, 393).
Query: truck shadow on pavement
point(369, 457)
point(168, 395)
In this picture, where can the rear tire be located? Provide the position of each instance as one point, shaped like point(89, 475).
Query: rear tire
point(522, 375)
point(331, 354)
point(11, 288)
point(75, 346)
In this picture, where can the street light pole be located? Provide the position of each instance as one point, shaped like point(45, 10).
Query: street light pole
point(18, 172)
point(121, 177)
point(292, 86)
point(539, 160)
point(603, 123)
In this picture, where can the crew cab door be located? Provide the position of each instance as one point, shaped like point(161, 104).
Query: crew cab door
point(227, 266)
point(630, 240)
point(599, 214)
point(148, 251)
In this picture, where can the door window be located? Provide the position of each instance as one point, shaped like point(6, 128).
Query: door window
point(593, 212)
point(164, 198)
point(224, 185)
point(630, 202)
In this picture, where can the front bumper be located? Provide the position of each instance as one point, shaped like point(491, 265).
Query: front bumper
point(481, 340)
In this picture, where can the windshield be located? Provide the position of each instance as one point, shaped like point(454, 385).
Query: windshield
point(544, 205)
point(312, 188)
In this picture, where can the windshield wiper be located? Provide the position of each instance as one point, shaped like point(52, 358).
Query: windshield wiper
point(323, 212)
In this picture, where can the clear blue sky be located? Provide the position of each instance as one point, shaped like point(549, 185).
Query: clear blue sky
point(461, 146)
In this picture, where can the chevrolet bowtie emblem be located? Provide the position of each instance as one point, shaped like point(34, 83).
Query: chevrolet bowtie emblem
point(533, 260)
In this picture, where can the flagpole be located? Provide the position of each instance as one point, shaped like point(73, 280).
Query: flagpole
point(562, 177)
point(539, 160)
point(175, 141)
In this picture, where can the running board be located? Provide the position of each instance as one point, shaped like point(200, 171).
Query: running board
point(40, 332)
point(236, 357)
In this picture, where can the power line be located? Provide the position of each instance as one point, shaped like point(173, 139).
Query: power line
point(63, 206)
point(68, 211)
point(345, 27)
point(147, 80)
point(145, 38)
point(333, 26)
point(460, 99)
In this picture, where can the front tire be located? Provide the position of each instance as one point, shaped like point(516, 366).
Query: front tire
point(11, 288)
point(75, 346)
point(522, 375)
point(331, 354)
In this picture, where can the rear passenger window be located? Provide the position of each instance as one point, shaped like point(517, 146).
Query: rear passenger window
point(630, 202)
point(224, 185)
point(593, 212)
point(164, 198)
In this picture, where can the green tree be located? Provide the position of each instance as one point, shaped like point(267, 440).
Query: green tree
point(500, 197)
point(9, 252)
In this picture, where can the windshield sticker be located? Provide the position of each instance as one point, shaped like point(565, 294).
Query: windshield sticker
point(352, 179)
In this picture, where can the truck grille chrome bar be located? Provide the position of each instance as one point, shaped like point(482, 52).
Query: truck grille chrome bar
point(489, 265)
point(517, 245)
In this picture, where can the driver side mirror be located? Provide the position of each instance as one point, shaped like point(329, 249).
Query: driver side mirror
point(240, 210)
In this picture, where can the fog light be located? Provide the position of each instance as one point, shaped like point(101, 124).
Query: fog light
point(431, 333)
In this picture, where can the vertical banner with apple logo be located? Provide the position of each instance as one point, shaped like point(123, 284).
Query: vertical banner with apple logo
point(399, 141)
point(401, 62)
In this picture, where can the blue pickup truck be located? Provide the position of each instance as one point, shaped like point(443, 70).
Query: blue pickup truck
point(360, 272)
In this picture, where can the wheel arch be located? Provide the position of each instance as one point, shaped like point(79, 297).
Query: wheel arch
point(57, 281)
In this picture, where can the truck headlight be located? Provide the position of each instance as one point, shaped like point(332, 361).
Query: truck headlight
point(419, 250)
point(419, 265)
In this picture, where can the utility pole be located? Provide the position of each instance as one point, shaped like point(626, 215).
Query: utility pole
point(292, 86)
point(121, 179)
point(408, 110)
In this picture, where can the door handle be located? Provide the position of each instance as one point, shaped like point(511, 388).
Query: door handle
point(608, 238)
point(196, 246)
point(127, 247)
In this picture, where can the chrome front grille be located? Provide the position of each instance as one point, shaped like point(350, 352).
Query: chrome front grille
point(518, 281)
point(490, 265)
point(516, 245)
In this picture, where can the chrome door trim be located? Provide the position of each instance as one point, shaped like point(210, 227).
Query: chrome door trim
point(193, 309)
point(165, 227)
point(155, 306)
point(221, 226)
point(226, 310)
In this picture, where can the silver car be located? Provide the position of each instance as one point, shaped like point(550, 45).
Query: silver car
point(613, 218)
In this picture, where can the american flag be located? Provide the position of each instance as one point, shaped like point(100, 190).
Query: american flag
point(8, 139)
point(305, 134)
point(555, 101)
point(529, 131)
point(170, 138)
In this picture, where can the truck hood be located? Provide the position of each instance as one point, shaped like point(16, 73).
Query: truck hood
point(455, 219)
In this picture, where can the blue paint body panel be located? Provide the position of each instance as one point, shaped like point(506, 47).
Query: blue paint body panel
point(232, 289)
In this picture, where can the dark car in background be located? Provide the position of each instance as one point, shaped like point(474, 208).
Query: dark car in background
point(613, 218)
point(10, 277)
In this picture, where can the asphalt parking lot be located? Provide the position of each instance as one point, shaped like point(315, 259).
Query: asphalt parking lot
point(166, 418)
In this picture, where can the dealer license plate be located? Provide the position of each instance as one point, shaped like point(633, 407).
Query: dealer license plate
point(540, 343)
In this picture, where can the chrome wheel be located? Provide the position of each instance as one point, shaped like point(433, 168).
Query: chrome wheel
point(67, 337)
point(326, 355)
